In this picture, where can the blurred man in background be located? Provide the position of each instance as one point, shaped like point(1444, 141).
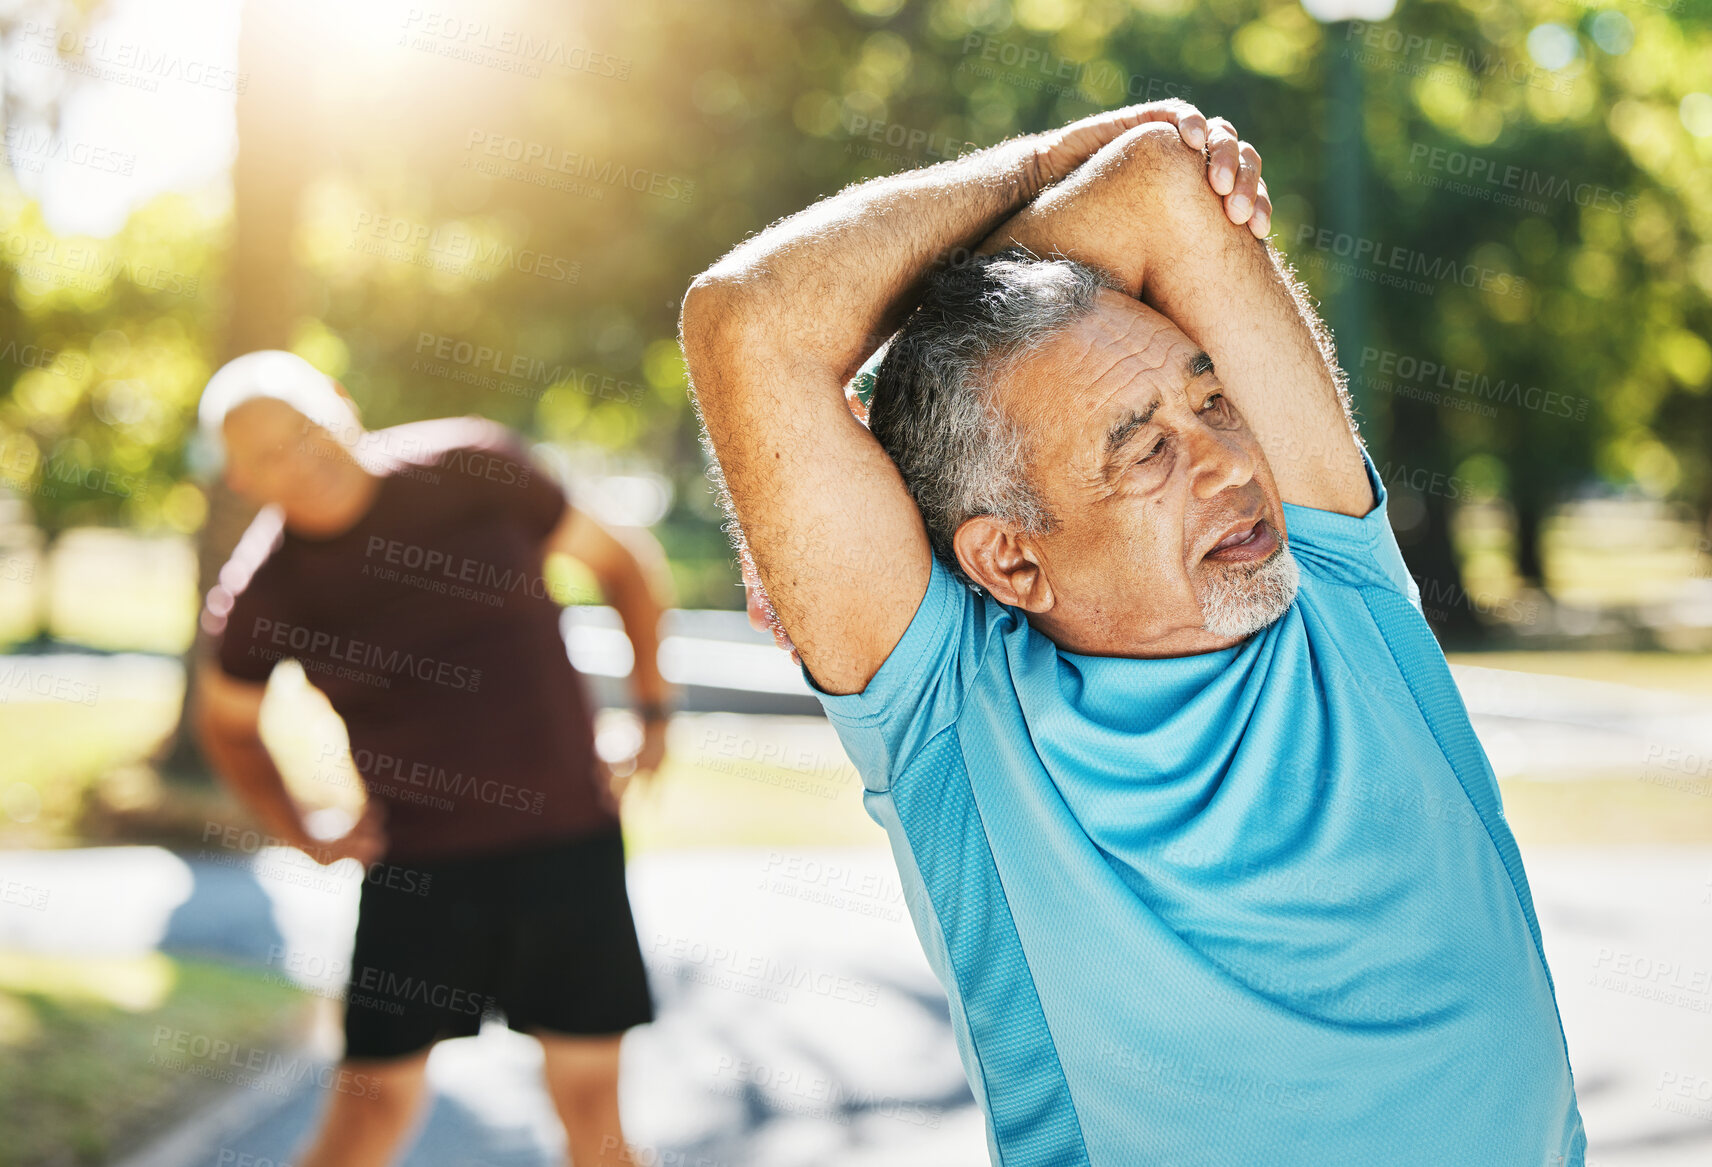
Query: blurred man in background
point(403, 569)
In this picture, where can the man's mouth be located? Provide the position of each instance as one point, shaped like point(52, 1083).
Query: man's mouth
point(1245, 543)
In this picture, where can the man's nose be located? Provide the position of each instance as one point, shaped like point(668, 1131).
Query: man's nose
point(1220, 460)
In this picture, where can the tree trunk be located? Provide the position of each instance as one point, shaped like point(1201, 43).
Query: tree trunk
point(1530, 564)
point(1433, 561)
point(275, 136)
point(1422, 466)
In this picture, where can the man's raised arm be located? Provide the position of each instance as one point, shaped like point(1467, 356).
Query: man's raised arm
point(772, 332)
point(1140, 211)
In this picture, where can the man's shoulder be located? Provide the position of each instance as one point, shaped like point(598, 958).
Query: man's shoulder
point(246, 575)
point(257, 547)
point(922, 686)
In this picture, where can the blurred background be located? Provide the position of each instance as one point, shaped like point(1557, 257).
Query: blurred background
point(1504, 208)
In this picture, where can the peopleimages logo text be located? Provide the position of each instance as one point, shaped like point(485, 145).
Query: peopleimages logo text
point(328, 646)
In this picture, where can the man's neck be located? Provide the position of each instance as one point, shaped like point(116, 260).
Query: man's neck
point(1174, 642)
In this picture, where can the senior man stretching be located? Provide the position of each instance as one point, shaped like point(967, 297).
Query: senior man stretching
point(403, 569)
point(1106, 609)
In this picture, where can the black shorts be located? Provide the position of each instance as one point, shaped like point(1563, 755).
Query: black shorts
point(541, 936)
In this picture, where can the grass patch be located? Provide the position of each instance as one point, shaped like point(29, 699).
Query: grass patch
point(702, 801)
point(1686, 673)
point(708, 804)
point(1639, 805)
point(1622, 808)
point(56, 749)
point(81, 1046)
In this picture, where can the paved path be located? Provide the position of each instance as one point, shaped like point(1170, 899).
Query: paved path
point(1567, 726)
point(1628, 935)
point(799, 1024)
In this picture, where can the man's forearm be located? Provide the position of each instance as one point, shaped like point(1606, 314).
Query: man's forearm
point(638, 586)
point(640, 614)
point(831, 282)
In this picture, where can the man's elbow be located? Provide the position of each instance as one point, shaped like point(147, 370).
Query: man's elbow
point(1164, 179)
point(706, 298)
point(713, 318)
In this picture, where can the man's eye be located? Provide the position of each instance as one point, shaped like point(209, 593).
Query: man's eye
point(1217, 399)
point(1148, 457)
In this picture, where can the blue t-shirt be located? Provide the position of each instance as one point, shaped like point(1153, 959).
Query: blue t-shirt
point(1257, 905)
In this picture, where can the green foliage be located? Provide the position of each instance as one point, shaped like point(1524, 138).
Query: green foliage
point(479, 239)
point(106, 346)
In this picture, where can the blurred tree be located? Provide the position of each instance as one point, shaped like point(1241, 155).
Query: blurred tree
point(1537, 248)
point(503, 202)
point(106, 340)
point(277, 151)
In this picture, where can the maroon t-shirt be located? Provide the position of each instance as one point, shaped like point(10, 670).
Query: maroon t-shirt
point(429, 627)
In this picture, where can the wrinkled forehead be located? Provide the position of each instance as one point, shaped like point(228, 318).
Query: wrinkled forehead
point(1121, 354)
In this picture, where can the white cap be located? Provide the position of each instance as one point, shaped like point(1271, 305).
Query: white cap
point(281, 376)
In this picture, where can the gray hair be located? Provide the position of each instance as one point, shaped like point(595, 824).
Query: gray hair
point(933, 408)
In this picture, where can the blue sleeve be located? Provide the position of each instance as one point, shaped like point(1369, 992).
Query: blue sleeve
point(919, 689)
point(1360, 551)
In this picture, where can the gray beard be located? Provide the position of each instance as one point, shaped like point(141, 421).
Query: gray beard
point(1241, 600)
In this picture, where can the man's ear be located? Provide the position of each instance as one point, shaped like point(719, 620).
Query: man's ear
point(1006, 564)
